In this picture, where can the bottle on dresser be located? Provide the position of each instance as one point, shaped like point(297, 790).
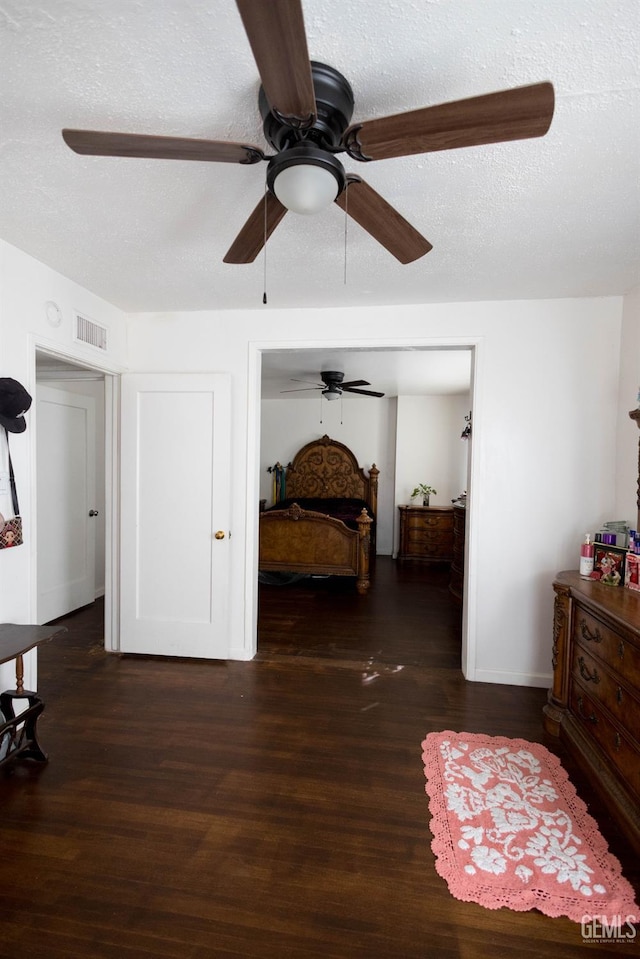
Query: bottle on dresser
point(586, 557)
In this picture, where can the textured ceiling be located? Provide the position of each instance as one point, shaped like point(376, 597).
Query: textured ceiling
point(551, 217)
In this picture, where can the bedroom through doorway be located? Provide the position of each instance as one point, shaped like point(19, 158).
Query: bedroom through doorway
point(413, 435)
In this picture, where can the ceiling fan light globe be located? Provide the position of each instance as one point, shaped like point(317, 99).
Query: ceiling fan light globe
point(306, 188)
point(330, 394)
point(305, 178)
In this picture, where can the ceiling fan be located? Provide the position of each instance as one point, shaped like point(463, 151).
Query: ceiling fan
point(333, 386)
point(306, 108)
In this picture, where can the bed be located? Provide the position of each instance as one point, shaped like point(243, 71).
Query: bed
point(326, 525)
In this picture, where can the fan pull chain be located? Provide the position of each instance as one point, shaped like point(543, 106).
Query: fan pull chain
point(264, 295)
point(321, 409)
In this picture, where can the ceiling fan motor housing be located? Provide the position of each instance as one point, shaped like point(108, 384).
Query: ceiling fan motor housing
point(334, 107)
point(317, 144)
point(331, 377)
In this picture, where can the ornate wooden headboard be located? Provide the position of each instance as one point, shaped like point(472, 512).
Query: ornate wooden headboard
point(327, 469)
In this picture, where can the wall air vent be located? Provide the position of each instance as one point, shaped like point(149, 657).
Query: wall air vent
point(91, 333)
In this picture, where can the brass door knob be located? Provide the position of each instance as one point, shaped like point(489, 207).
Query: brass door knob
point(220, 534)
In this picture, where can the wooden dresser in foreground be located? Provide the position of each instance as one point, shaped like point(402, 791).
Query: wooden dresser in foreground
point(426, 533)
point(594, 705)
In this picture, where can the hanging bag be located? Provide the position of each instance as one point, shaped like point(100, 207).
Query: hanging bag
point(11, 529)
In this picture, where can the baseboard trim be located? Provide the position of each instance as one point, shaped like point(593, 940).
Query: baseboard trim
point(504, 678)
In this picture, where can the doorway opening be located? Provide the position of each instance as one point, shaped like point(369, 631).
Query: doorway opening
point(375, 429)
point(74, 560)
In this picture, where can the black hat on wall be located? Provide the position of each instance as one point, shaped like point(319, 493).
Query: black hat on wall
point(14, 403)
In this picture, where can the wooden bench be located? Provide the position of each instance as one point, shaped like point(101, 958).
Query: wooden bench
point(18, 733)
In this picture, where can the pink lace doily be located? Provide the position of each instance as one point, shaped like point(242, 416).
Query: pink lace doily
point(510, 830)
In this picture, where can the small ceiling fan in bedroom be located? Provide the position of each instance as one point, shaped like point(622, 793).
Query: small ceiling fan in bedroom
point(306, 109)
point(333, 386)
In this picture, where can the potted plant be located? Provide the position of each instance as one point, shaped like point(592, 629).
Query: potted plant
point(425, 492)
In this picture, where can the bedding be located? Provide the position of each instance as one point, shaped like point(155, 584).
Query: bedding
point(346, 510)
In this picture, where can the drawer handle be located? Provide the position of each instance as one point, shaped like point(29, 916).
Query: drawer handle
point(621, 649)
point(588, 675)
point(617, 742)
point(588, 635)
point(619, 695)
point(592, 718)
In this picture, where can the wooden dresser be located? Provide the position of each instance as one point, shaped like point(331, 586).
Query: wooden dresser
point(594, 705)
point(426, 533)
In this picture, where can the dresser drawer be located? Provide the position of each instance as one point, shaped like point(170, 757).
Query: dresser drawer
point(614, 743)
point(429, 536)
point(609, 646)
point(607, 687)
point(429, 521)
point(431, 550)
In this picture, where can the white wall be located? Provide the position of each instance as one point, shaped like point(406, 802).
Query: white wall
point(628, 434)
point(428, 447)
point(25, 287)
point(367, 428)
point(545, 402)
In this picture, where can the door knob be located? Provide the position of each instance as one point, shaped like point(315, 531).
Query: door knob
point(220, 534)
point(93, 512)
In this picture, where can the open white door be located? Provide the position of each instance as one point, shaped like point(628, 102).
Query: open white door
point(66, 488)
point(175, 484)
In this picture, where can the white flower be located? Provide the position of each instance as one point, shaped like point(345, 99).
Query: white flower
point(523, 872)
point(464, 802)
point(569, 865)
point(472, 834)
point(512, 820)
point(489, 859)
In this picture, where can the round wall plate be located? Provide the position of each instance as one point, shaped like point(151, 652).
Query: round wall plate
point(53, 313)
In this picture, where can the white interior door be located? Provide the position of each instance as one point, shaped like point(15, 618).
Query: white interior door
point(66, 484)
point(175, 465)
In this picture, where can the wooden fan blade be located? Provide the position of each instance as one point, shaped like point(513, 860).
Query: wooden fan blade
point(304, 389)
point(95, 143)
point(346, 386)
point(382, 221)
point(515, 114)
point(363, 392)
point(276, 33)
point(256, 230)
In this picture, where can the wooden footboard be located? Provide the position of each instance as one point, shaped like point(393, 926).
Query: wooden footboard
point(302, 541)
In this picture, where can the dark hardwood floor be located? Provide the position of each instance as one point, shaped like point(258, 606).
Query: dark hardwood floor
point(273, 809)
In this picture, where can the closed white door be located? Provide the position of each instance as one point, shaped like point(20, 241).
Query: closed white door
point(175, 445)
point(66, 489)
